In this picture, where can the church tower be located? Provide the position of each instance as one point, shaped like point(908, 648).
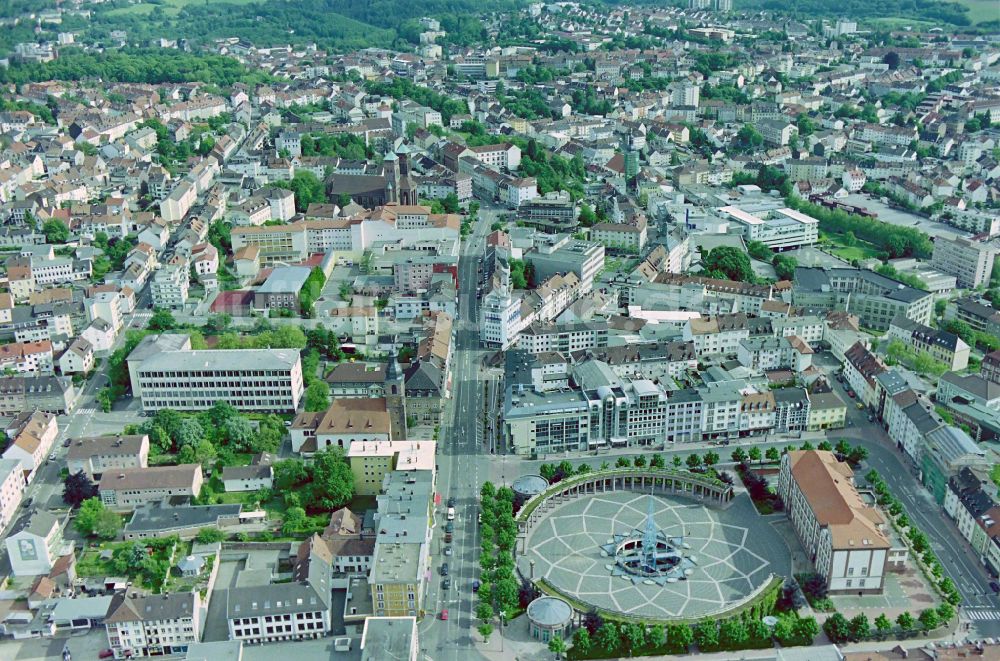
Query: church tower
point(407, 188)
point(390, 170)
point(395, 398)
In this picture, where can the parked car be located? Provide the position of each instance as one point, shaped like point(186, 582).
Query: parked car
point(68, 442)
point(444, 569)
point(446, 584)
point(447, 550)
point(850, 393)
point(451, 501)
point(447, 538)
point(861, 407)
point(995, 586)
point(444, 613)
point(52, 457)
point(475, 585)
point(449, 527)
point(105, 654)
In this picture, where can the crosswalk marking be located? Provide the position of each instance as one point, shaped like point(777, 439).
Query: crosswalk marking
point(86, 411)
point(982, 614)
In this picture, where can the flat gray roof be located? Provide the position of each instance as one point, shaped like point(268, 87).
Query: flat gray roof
point(222, 359)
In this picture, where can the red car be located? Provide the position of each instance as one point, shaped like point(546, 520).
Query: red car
point(850, 393)
point(105, 654)
point(444, 613)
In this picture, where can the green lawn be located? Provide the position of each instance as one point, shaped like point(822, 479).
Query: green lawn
point(982, 10)
point(169, 7)
point(860, 250)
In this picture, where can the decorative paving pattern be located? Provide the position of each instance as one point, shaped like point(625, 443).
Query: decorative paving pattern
point(736, 552)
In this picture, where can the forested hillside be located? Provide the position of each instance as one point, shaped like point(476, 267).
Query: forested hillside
point(331, 24)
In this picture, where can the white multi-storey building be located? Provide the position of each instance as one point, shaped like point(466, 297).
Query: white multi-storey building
point(165, 373)
point(153, 625)
point(843, 537)
point(779, 229)
point(170, 286)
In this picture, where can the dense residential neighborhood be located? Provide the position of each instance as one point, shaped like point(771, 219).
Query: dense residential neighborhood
point(492, 332)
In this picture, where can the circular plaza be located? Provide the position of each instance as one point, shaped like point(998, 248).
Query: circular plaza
point(698, 560)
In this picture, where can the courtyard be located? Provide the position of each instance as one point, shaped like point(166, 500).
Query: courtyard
point(734, 552)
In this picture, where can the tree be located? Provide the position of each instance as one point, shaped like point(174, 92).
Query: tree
point(805, 628)
point(772, 454)
point(929, 619)
point(189, 432)
point(857, 455)
point(557, 645)
point(581, 641)
point(162, 320)
point(55, 231)
point(209, 536)
point(656, 461)
point(486, 630)
point(78, 488)
point(505, 590)
point(733, 632)
point(739, 455)
point(93, 519)
point(680, 635)
point(784, 266)
point(758, 630)
point(623, 462)
point(860, 628)
point(945, 611)
point(317, 396)
point(607, 637)
point(484, 611)
point(748, 139)
point(882, 625)
point(587, 215)
point(657, 636)
point(759, 251)
point(634, 634)
point(306, 187)
point(677, 461)
point(711, 458)
point(892, 59)
point(238, 433)
point(693, 461)
point(905, 621)
point(706, 634)
point(332, 480)
point(754, 453)
point(293, 520)
point(728, 263)
point(837, 628)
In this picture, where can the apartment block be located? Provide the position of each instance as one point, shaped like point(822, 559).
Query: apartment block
point(874, 298)
point(943, 346)
point(170, 285)
point(128, 488)
point(778, 229)
point(153, 625)
point(844, 538)
point(166, 373)
point(969, 260)
point(96, 455)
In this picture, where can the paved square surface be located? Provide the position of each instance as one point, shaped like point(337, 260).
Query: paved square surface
point(735, 551)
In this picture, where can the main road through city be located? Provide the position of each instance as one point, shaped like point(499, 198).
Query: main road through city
point(462, 468)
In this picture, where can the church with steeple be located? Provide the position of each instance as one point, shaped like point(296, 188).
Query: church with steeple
point(390, 183)
point(395, 398)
